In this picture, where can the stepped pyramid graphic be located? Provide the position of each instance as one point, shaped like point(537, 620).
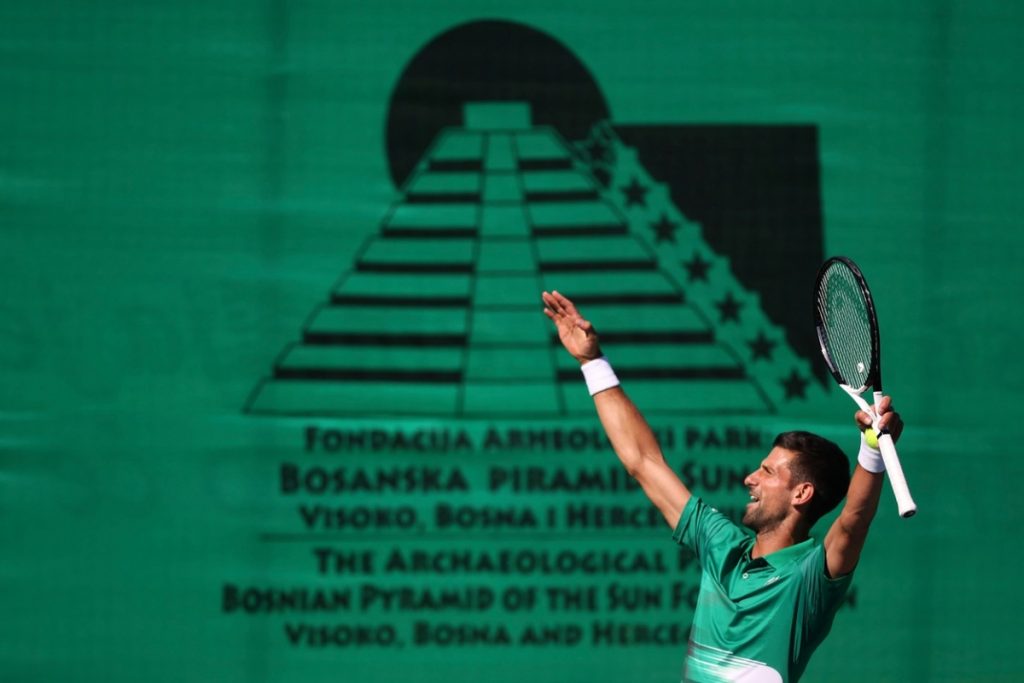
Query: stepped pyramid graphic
point(440, 314)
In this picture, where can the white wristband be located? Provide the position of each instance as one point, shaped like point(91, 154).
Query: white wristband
point(599, 375)
point(870, 458)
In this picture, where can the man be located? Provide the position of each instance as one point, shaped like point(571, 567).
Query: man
point(765, 602)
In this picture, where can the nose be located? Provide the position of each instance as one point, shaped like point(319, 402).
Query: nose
point(750, 481)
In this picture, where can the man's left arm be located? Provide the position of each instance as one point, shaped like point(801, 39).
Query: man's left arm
point(845, 540)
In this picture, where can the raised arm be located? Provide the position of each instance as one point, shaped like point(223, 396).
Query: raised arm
point(627, 430)
point(845, 540)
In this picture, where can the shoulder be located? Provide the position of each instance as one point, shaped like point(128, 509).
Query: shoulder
point(814, 567)
point(701, 523)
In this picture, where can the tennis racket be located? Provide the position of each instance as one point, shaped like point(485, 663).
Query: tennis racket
point(844, 316)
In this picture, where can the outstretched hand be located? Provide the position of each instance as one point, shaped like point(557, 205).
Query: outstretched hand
point(888, 418)
point(577, 335)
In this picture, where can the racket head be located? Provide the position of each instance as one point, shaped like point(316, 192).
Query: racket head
point(847, 325)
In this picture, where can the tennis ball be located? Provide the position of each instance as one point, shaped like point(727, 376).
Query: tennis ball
point(871, 438)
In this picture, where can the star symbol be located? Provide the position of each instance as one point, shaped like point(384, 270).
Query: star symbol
point(598, 151)
point(697, 268)
point(664, 230)
point(762, 347)
point(635, 193)
point(795, 386)
point(728, 309)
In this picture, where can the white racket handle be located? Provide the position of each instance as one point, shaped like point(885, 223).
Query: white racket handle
point(904, 502)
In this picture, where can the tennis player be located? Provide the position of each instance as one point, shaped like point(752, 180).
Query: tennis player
point(766, 601)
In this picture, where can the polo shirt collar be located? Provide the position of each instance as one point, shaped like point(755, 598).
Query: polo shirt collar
point(786, 556)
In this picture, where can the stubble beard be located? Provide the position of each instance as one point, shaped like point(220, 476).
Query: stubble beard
point(758, 522)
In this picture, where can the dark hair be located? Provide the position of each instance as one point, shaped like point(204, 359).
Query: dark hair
point(820, 462)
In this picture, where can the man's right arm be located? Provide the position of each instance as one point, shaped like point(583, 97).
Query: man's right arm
point(627, 430)
point(640, 454)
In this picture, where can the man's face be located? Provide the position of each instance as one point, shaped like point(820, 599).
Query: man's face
point(771, 491)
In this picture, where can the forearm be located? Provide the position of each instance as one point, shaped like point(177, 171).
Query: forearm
point(861, 500)
point(845, 540)
point(627, 429)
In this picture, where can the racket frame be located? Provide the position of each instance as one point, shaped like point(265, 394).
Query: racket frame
point(904, 501)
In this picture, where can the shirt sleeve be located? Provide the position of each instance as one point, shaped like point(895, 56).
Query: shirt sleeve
point(712, 536)
point(823, 595)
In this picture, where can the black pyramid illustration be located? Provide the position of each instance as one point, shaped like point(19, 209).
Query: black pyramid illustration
point(440, 314)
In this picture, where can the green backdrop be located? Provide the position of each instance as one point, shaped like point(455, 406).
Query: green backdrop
point(182, 183)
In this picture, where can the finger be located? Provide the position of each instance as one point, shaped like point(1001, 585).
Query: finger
point(553, 303)
point(885, 405)
point(585, 326)
point(891, 422)
point(551, 314)
point(567, 306)
point(862, 419)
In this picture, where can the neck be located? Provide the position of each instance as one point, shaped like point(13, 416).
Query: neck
point(767, 541)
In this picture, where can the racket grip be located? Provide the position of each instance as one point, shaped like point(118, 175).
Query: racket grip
point(906, 505)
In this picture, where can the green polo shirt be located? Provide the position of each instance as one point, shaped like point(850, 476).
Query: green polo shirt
point(756, 619)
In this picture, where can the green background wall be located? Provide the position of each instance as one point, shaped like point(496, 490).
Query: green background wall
point(181, 182)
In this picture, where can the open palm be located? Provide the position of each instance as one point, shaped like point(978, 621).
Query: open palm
point(577, 335)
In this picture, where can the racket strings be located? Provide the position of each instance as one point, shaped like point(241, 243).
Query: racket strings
point(846, 318)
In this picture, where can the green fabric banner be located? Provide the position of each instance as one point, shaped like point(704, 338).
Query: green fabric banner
point(279, 400)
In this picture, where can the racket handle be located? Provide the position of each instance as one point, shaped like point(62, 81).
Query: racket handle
point(904, 502)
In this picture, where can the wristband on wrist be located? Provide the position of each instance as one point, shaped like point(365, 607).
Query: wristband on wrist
point(870, 458)
point(599, 375)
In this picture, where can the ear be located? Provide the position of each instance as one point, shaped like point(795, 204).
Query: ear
point(802, 493)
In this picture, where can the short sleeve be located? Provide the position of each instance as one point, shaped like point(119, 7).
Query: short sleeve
point(712, 536)
point(823, 594)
